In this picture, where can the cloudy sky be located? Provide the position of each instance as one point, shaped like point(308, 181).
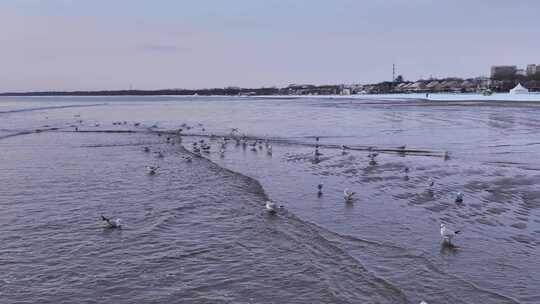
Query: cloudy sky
point(115, 44)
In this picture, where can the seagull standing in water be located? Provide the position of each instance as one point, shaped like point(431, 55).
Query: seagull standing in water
point(111, 223)
point(319, 186)
point(459, 198)
point(372, 157)
point(446, 156)
point(270, 207)
point(447, 234)
point(348, 195)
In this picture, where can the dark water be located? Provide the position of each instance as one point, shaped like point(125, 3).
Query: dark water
point(197, 232)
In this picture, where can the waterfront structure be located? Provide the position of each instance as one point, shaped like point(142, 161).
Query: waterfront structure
point(519, 89)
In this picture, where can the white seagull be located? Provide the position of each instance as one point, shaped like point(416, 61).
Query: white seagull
point(270, 207)
point(447, 234)
point(112, 223)
point(348, 195)
point(459, 197)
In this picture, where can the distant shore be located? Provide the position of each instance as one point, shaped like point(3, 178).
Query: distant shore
point(530, 97)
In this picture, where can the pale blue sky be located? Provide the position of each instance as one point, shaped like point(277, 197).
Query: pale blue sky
point(112, 44)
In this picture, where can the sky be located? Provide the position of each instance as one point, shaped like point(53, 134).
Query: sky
point(141, 44)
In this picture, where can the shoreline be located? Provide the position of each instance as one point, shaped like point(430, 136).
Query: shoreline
point(449, 97)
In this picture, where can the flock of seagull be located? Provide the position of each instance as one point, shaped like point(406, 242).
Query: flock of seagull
point(201, 146)
point(271, 207)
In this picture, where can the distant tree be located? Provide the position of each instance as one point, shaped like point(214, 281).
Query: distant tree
point(399, 78)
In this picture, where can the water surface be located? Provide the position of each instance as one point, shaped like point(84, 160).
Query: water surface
point(197, 231)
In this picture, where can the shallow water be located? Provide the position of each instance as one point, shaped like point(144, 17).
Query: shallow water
point(197, 232)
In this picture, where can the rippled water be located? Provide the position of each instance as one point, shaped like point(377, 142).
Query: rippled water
point(197, 232)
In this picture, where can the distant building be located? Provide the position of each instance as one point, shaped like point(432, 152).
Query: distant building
point(345, 91)
point(503, 71)
point(533, 69)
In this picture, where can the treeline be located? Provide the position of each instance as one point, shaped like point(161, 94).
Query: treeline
point(202, 92)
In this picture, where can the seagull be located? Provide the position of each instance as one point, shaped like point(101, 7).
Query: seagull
point(317, 153)
point(423, 302)
point(146, 149)
point(343, 148)
point(269, 150)
point(446, 155)
point(372, 162)
point(270, 207)
point(222, 152)
point(406, 170)
point(319, 186)
point(431, 182)
point(112, 223)
point(348, 195)
point(447, 234)
point(402, 147)
point(152, 170)
point(459, 197)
